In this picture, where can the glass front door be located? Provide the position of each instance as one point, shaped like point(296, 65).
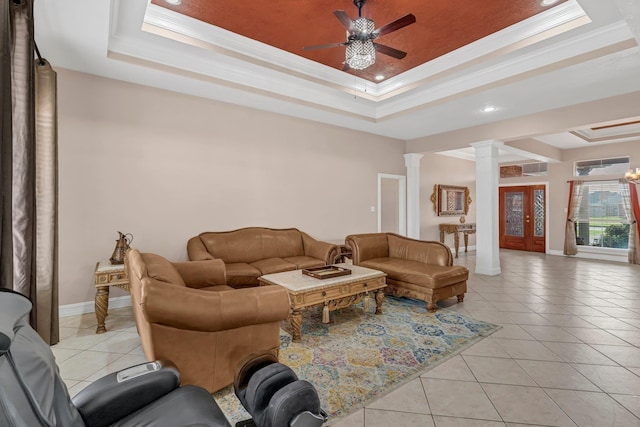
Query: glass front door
point(522, 218)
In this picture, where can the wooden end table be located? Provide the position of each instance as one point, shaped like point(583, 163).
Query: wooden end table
point(333, 293)
point(107, 275)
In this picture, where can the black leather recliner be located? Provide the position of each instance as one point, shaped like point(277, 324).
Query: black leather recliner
point(32, 392)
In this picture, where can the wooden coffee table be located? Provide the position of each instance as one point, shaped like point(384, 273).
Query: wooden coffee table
point(333, 293)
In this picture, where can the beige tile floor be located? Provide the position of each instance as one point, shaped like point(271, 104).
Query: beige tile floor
point(568, 353)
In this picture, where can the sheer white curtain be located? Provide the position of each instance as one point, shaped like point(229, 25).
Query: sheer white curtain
point(575, 195)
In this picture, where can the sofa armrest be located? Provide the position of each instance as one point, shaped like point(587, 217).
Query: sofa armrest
point(194, 309)
point(328, 252)
point(367, 246)
point(119, 394)
point(197, 251)
point(200, 274)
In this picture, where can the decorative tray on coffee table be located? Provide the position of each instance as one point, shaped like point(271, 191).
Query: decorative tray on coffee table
point(326, 272)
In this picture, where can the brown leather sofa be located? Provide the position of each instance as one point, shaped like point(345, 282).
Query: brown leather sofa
point(415, 268)
point(249, 253)
point(185, 313)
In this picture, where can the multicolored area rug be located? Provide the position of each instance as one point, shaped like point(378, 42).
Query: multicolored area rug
point(359, 357)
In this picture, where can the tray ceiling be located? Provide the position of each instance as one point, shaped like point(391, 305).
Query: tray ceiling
point(442, 26)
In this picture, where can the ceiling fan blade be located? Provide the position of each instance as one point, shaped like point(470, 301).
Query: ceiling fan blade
point(344, 19)
point(386, 50)
point(323, 46)
point(395, 25)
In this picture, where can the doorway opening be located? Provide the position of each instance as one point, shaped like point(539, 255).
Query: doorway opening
point(392, 203)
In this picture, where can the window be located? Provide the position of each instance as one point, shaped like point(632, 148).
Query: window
point(602, 218)
point(526, 169)
point(617, 166)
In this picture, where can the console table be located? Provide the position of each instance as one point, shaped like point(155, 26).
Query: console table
point(454, 229)
point(106, 275)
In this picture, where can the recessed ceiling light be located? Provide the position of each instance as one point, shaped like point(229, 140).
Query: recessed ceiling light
point(379, 77)
point(548, 2)
point(177, 2)
point(488, 109)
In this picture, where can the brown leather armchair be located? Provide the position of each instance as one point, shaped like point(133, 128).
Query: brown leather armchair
point(185, 313)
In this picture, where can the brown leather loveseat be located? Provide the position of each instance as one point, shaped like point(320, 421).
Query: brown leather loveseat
point(249, 253)
point(415, 268)
point(185, 313)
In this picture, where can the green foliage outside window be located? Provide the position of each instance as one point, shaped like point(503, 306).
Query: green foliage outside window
point(616, 236)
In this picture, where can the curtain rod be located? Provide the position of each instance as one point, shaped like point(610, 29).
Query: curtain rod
point(40, 60)
point(595, 180)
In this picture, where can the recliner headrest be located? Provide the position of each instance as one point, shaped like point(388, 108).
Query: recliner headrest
point(245, 370)
point(14, 310)
point(263, 385)
point(291, 400)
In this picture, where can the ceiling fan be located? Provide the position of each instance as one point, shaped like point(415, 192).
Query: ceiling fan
point(360, 50)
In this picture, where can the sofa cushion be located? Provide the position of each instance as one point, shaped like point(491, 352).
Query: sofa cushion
point(427, 275)
point(273, 265)
point(305, 261)
point(161, 269)
point(241, 273)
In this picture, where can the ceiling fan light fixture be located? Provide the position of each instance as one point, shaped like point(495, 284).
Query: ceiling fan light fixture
point(363, 26)
point(360, 54)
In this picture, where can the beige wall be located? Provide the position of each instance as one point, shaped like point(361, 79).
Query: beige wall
point(439, 169)
point(165, 167)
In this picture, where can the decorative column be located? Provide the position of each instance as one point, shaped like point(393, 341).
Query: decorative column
point(487, 209)
point(412, 163)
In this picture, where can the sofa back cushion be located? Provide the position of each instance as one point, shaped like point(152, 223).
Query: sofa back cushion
point(421, 251)
point(253, 244)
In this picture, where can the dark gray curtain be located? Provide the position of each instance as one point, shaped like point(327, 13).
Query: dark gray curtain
point(18, 220)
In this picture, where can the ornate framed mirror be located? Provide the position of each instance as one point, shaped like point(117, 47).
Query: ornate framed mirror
point(449, 200)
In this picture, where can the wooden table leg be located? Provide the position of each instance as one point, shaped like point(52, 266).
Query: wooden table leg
point(102, 307)
point(379, 300)
point(456, 240)
point(466, 241)
point(296, 324)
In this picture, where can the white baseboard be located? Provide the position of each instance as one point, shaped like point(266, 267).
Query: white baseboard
point(89, 306)
point(595, 255)
point(461, 249)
